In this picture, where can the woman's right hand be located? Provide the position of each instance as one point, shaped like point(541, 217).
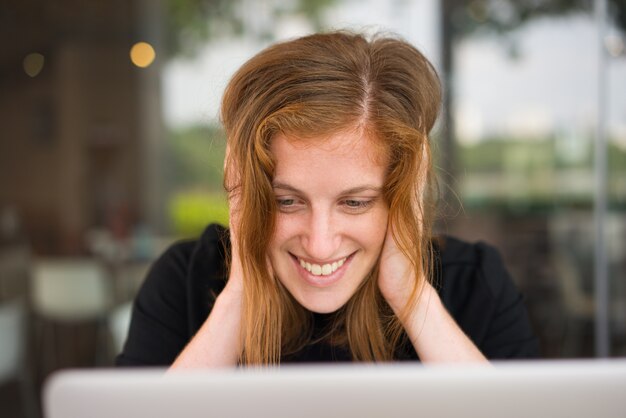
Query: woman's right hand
point(234, 285)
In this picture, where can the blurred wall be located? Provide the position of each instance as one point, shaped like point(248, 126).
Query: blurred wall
point(73, 131)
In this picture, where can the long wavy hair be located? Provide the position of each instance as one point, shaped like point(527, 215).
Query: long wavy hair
point(309, 88)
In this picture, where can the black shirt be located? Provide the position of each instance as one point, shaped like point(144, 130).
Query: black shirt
point(179, 291)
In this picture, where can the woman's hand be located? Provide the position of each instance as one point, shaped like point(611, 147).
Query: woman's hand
point(396, 277)
point(434, 334)
point(234, 285)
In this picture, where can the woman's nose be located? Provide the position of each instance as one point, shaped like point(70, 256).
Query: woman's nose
point(322, 237)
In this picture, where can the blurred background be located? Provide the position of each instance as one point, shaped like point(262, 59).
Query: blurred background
point(111, 149)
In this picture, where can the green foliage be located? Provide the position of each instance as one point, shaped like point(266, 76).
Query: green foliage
point(313, 10)
point(190, 23)
point(496, 155)
point(190, 212)
point(534, 174)
point(195, 160)
point(503, 16)
point(616, 157)
point(195, 156)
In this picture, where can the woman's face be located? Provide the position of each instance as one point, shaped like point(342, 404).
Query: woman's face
point(332, 218)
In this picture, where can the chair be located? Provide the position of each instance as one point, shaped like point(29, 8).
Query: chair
point(67, 293)
point(14, 271)
point(571, 236)
point(128, 279)
point(119, 322)
point(13, 364)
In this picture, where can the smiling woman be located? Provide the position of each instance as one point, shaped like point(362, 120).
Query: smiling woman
point(330, 255)
point(331, 220)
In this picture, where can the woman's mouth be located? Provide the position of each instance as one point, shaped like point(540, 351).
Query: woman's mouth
point(323, 269)
point(322, 275)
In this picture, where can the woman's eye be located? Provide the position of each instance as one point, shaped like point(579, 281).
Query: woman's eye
point(357, 205)
point(286, 202)
point(289, 205)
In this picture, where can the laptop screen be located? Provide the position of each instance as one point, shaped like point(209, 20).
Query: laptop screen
point(520, 389)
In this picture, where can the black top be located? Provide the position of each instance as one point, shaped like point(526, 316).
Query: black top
point(180, 288)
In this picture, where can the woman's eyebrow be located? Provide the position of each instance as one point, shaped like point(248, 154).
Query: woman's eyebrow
point(285, 186)
point(352, 190)
point(364, 188)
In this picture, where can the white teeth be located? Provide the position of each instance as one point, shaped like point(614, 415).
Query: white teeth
point(322, 270)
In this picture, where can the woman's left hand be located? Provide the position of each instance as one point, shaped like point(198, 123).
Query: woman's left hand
point(433, 332)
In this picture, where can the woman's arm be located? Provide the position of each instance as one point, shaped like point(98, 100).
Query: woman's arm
point(434, 334)
point(218, 342)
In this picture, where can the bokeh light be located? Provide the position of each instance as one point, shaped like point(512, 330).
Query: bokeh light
point(142, 54)
point(33, 64)
point(614, 45)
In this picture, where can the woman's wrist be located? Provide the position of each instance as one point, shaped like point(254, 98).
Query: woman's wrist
point(218, 341)
point(435, 335)
point(404, 306)
point(230, 295)
point(415, 311)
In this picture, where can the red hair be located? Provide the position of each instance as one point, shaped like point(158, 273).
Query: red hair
point(308, 88)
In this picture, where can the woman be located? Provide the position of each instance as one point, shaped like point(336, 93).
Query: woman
point(330, 252)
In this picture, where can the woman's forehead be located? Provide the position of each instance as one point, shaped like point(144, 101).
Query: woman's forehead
point(346, 142)
point(327, 167)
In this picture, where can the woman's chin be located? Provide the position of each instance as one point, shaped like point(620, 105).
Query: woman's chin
point(323, 305)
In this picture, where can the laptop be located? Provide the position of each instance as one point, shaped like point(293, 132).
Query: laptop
point(553, 389)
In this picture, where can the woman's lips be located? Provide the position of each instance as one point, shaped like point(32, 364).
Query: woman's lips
point(322, 269)
point(322, 275)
